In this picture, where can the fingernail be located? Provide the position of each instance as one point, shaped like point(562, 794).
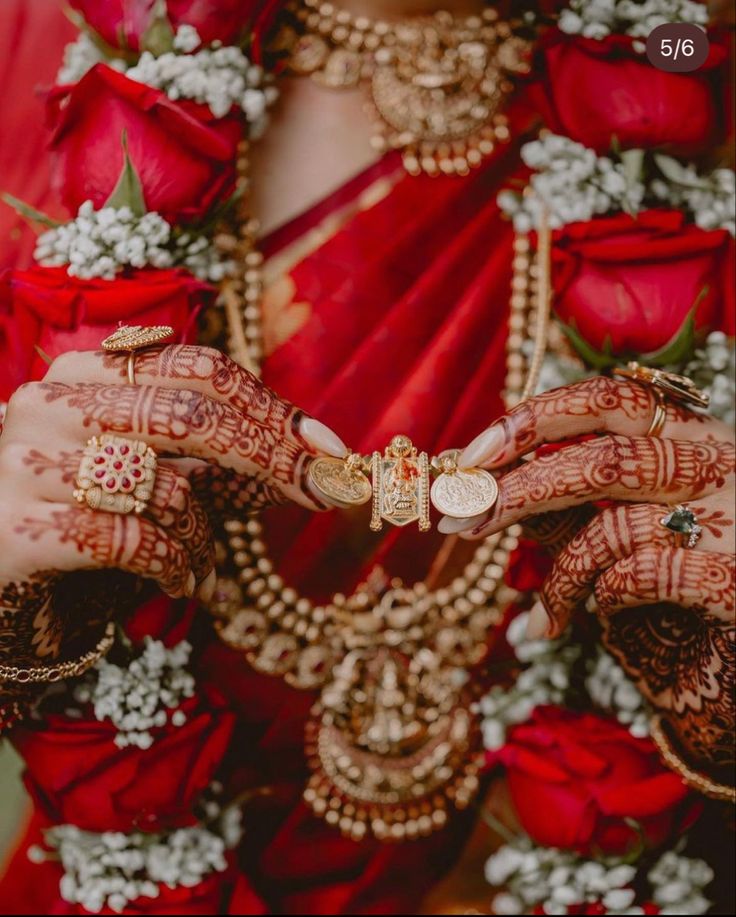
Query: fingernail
point(591, 604)
point(322, 438)
point(207, 586)
point(449, 525)
point(191, 585)
point(482, 448)
point(538, 625)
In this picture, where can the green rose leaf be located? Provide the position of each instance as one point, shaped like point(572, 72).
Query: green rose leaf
point(128, 192)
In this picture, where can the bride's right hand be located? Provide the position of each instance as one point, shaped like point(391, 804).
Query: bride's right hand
point(216, 429)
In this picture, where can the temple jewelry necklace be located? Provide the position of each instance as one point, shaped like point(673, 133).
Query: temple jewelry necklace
point(393, 741)
point(436, 84)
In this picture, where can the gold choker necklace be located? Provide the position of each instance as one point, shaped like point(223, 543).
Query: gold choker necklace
point(436, 84)
point(393, 742)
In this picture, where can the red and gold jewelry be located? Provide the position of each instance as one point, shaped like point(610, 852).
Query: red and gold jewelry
point(116, 475)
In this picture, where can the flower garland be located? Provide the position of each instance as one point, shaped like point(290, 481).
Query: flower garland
point(599, 18)
point(138, 697)
point(547, 677)
point(545, 880)
point(572, 183)
point(112, 869)
point(221, 77)
point(101, 243)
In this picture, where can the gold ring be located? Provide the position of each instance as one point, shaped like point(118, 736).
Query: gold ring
point(660, 415)
point(132, 338)
point(116, 475)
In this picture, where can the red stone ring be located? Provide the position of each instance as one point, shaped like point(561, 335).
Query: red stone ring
point(116, 475)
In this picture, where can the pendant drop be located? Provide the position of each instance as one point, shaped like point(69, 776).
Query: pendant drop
point(461, 493)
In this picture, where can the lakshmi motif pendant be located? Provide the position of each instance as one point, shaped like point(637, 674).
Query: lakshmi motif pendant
point(400, 485)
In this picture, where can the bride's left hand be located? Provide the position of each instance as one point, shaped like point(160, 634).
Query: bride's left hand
point(624, 557)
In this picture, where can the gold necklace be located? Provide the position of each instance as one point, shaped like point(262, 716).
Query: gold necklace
point(436, 84)
point(392, 743)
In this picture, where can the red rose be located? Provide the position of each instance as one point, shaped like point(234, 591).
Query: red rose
point(574, 780)
point(595, 90)
point(79, 776)
point(122, 22)
point(627, 285)
point(44, 306)
point(184, 156)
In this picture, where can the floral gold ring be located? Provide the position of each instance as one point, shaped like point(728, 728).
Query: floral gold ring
point(129, 339)
point(116, 475)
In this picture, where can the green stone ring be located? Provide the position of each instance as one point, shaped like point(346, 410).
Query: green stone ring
point(683, 521)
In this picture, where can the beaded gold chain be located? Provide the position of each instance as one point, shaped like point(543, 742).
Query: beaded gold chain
point(392, 743)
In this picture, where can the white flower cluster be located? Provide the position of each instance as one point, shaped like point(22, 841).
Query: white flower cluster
point(713, 368)
point(711, 198)
point(112, 869)
point(138, 698)
point(557, 879)
point(99, 243)
point(560, 879)
point(611, 690)
point(80, 56)
point(678, 883)
point(220, 77)
point(545, 680)
point(571, 182)
point(202, 258)
point(599, 18)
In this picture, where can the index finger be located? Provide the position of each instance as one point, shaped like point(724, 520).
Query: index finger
point(598, 405)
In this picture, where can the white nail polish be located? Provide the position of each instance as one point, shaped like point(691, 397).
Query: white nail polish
point(321, 438)
point(191, 585)
point(448, 525)
point(591, 604)
point(482, 448)
point(538, 625)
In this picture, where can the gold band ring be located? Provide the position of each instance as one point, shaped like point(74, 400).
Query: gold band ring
point(660, 415)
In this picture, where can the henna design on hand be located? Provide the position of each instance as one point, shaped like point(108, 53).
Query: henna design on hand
point(703, 581)
point(613, 534)
point(226, 493)
point(104, 540)
point(187, 422)
point(597, 405)
point(212, 372)
point(29, 630)
point(65, 462)
point(684, 663)
point(612, 467)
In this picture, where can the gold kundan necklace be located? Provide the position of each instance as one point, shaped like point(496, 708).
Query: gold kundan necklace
point(435, 84)
point(393, 741)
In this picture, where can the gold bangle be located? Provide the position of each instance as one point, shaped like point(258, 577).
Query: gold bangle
point(46, 674)
point(660, 414)
point(692, 778)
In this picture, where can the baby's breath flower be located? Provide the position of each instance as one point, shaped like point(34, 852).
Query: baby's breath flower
point(599, 18)
point(138, 698)
point(113, 869)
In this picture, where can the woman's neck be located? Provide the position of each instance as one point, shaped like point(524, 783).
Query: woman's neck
point(401, 9)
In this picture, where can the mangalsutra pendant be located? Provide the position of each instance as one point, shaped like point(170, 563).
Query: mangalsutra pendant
point(400, 485)
point(461, 493)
